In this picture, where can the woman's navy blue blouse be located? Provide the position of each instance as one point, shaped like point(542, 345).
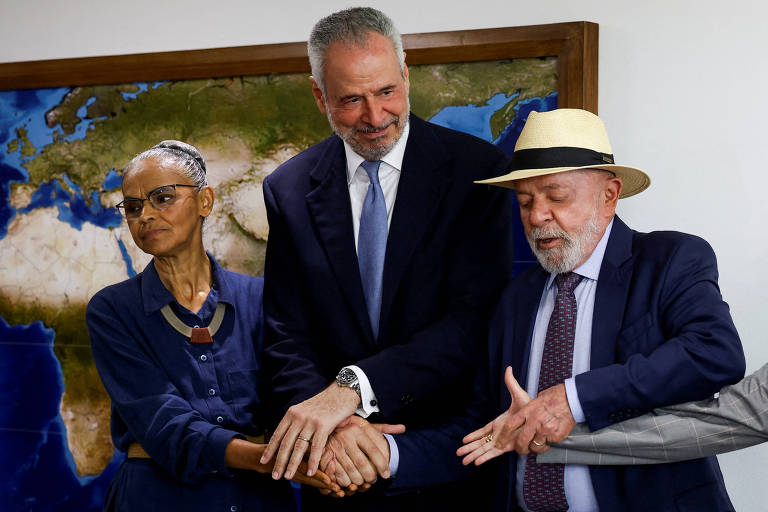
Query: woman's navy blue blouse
point(182, 402)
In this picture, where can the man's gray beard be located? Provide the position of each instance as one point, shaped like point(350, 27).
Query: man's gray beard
point(370, 153)
point(574, 249)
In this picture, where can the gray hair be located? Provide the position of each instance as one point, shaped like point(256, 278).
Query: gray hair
point(180, 155)
point(350, 26)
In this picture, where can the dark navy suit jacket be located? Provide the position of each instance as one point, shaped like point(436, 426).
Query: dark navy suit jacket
point(661, 334)
point(447, 260)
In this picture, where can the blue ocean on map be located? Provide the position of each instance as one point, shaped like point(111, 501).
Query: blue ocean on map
point(37, 467)
point(473, 119)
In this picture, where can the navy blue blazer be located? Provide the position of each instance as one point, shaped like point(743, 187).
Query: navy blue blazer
point(661, 334)
point(447, 260)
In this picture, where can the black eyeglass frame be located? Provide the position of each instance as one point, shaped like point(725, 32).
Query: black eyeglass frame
point(161, 206)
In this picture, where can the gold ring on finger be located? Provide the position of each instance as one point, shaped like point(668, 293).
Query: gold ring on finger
point(488, 438)
point(304, 439)
point(538, 444)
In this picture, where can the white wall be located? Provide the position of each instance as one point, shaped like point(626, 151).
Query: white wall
point(679, 84)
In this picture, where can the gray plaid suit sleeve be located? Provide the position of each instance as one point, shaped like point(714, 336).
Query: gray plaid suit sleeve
point(736, 419)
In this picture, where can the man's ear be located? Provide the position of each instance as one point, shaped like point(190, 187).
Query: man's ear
point(611, 192)
point(318, 94)
point(406, 78)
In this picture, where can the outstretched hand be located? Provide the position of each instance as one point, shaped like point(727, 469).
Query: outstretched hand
point(545, 419)
point(494, 439)
point(526, 427)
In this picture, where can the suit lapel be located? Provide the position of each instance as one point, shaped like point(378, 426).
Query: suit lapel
point(611, 295)
point(330, 210)
point(517, 345)
point(610, 302)
point(423, 180)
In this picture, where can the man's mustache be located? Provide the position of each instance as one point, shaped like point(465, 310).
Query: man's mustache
point(541, 233)
point(371, 129)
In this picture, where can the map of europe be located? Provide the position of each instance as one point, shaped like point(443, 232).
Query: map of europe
point(62, 152)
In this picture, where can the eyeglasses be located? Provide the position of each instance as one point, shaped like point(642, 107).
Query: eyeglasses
point(160, 198)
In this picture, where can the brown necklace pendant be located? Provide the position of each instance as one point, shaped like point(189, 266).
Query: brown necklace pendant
point(200, 335)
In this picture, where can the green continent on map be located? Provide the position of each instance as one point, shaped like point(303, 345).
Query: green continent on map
point(245, 127)
point(260, 113)
point(23, 142)
point(108, 102)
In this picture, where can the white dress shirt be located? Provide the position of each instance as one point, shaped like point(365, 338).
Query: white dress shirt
point(578, 483)
point(358, 182)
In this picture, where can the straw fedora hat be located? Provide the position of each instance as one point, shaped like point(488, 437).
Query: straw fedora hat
point(567, 139)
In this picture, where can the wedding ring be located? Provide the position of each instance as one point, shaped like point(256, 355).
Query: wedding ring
point(304, 439)
point(488, 438)
point(538, 444)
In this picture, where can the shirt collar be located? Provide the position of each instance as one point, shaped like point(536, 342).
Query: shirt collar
point(155, 295)
point(590, 269)
point(394, 158)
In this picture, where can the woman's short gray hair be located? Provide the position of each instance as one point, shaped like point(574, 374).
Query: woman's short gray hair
point(180, 155)
point(350, 26)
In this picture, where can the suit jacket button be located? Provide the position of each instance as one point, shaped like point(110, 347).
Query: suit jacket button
point(406, 399)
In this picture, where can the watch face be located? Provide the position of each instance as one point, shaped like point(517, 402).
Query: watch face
point(346, 377)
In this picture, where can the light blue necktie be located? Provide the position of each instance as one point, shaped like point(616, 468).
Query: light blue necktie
point(372, 244)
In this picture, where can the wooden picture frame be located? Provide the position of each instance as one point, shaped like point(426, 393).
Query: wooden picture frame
point(575, 44)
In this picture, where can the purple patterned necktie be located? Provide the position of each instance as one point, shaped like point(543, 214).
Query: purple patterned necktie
point(543, 484)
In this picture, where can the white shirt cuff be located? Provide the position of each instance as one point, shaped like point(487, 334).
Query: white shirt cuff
point(573, 400)
point(394, 455)
point(368, 402)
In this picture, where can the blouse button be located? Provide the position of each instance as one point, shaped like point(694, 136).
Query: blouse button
point(233, 508)
point(211, 391)
point(203, 358)
point(219, 419)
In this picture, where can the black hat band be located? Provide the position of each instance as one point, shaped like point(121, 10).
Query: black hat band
point(564, 156)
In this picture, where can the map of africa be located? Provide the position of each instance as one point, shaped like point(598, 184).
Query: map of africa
point(62, 152)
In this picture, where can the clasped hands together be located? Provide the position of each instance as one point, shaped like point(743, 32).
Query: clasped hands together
point(527, 426)
point(352, 452)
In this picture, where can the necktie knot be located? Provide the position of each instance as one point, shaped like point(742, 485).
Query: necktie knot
point(567, 282)
point(372, 170)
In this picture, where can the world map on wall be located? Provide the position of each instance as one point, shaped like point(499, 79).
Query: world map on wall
point(62, 152)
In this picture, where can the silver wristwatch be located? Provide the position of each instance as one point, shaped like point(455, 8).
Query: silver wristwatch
point(348, 379)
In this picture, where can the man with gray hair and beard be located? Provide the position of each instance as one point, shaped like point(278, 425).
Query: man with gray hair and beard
point(610, 324)
point(377, 291)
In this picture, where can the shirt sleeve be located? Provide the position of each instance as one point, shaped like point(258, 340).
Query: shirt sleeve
point(572, 393)
point(368, 402)
point(394, 455)
point(144, 398)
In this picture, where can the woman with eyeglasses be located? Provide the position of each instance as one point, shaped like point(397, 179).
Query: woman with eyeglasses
point(178, 348)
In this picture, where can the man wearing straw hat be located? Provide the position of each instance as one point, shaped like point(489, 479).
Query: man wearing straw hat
point(611, 324)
